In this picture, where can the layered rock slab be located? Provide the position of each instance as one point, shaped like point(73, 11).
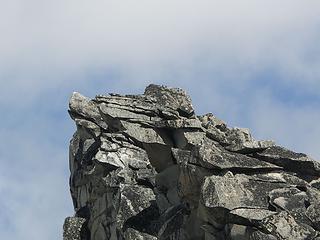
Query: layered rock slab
point(147, 167)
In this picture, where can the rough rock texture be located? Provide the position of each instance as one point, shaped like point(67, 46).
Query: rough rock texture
point(146, 167)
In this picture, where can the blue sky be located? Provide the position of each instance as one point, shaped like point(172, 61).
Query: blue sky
point(254, 64)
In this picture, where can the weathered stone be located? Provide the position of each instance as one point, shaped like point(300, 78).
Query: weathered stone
point(193, 138)
point(167, 183)
point(210, 121)
point(212, 155)
point(236, 191)
point(240, 140)
point(241, 232)
point(133, 200)
point(146, 167)
point(292, 200)
point(180, 123)
point(174, 98)
point(258, 235)
point(281, 177)
point(81, 106)
point(315, 183)
point(283, 226)
point(93, 128)
point(313, 214)
point(120, 113)
point(218, 136)
point(132, 234)
point(142, 134)
point(141, 105)
point(74, 228)
point(249, 215)
point(290, 161)
point(234, 139)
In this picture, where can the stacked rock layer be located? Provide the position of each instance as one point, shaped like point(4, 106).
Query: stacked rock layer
point(145, 167)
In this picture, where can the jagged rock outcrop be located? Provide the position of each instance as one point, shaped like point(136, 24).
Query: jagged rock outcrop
point(147, 167)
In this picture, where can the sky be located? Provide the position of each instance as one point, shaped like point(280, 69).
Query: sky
point(254, 64)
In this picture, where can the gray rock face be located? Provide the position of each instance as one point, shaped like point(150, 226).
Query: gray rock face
point(145, 167)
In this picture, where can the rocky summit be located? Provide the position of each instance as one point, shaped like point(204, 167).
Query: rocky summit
point(146, 167)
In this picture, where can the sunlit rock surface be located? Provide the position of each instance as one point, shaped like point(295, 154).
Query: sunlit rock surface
point(146, 167)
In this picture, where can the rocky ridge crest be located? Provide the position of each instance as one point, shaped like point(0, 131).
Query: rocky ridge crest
point(147, 167)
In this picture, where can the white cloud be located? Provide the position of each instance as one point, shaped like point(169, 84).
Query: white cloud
point(145, 38)
point(295, 127)
point(34, 195)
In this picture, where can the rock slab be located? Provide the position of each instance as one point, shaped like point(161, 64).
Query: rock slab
point(146, 167)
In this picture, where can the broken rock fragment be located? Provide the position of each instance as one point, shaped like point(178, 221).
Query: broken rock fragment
point(74, 228)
